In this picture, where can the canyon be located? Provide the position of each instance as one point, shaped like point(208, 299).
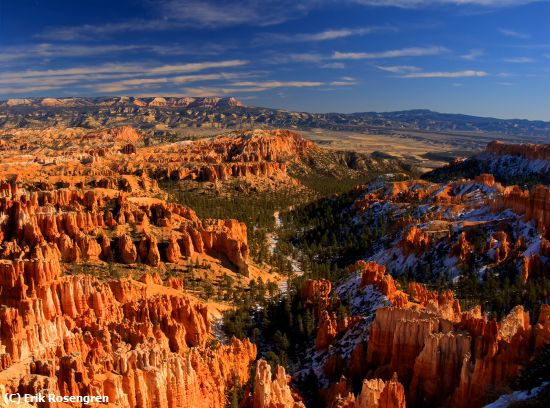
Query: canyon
point(108, 283)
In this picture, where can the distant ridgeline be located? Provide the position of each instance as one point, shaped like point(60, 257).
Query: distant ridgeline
point(215, 112)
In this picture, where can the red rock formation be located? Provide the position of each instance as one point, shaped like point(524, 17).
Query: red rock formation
point(376, 393)
point(461, 249)
point(500, 238)
point(138, 342)
point(273, 393)
point(316, 290)
point(121, 134)
point(534, 204)
point(393, 394)
point(173, 252)
point(228, 237)
point(414, 240)
point(375, 274)
point(487, 179)
point(542, 328)
point(115, 339)
point(413, 190)
point(443, 303)
point(127, 249)
point(327, 331)
point(445, 362)
point(527, 151)
point(256, 154)
point(371, 272)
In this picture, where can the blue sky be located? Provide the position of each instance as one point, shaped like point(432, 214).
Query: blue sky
point(483, 57)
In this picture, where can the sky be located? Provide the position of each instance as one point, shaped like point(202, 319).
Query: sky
point(481, 57)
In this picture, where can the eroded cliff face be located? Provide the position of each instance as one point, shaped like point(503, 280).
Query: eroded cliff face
point(441, 355)
point(449, 362)
point(273, 391)
point(534, 204)
point(375, 393)
point(141, 344)
point(527, 151)
point(460, 225)
point(91, 226)
point(255, 154)
point(121, 159)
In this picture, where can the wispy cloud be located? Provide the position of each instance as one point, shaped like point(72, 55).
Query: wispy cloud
point(334, 65)
point(140, 83)
point(198, 66)
point(473, 54)
point(51, 50)
point(236, 88)
point(130, 68)
point(183, 14)
point(342, 83)
point(326, 35)
point(398, 68)
point(514, 34)
point(277, 84)
point(45, 50)
point(305, 57)
point(519, 60)
point(403, 52)
point(117, 77)
point(429, 3)
point(26, 90)
point(446, 74)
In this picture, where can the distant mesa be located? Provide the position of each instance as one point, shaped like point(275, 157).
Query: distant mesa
point(227, 112)
point(159, 101)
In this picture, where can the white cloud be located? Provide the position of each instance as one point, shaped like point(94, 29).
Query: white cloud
point(118, 77)
point(334, 65)
point(427, 3)
point(306, 57)
point(236, 88)
point(473, 54)
point(342, 83)
point(277, 84)
point(185, 14)
point(404, 52)
point(115, 69)
point(443, 74)
point(514, 34)
point(123, 69)
point(15, 53)
point(326, 35)
point(118, 86)
point(26, 90)
point(49, 50)
point(519, 60)
point(206, 91)
point(399, 68)
point(198, 66)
